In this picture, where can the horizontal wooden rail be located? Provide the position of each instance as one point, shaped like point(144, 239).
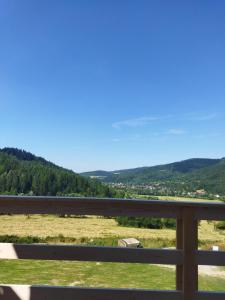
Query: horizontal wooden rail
point(87, 253)
point(35, 292)
point(211, 258)
point(70, 293)
point(110, 207)
point(84, 206)
point(210, 296)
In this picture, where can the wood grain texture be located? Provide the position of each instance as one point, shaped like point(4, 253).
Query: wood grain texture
point(85, 206)
point(179, 246)
point(11, 292)
point(210, 296)
point(211, 258)
point(190, 246)
point(108, 207)
point(88, 253)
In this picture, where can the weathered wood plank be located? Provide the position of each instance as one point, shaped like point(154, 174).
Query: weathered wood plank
point(211, 258)
point(17, 292)
point(108, 207)
point(210, 295)
point(179, 246)
point(211, 212)
point(26, 292)
point(86, 206)
point(190, 246)
point(87, 253)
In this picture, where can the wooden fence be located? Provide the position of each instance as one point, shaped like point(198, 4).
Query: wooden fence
point(186, 256)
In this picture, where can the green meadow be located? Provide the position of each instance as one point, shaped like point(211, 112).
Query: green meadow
point(96, 274)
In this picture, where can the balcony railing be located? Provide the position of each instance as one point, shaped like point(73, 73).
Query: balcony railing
point(186, 256)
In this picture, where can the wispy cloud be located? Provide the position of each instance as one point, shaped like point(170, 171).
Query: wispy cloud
point(200, 117)
point(143, 121)
point(208, 136)
point(154, 136)
point(176, 131)
point(136, 122)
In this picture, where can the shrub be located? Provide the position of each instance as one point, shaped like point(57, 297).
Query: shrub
point(20, 240)
point(146, 222)
point(221, 225)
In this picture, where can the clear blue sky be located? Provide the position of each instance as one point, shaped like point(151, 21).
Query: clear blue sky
point(110, 84)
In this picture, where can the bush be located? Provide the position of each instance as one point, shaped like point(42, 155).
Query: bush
point(221, 225)
point(146, 222)
point(20, 240)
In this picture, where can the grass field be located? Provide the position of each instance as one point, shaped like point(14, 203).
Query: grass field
point(96, 275)
point(174, 198)
point(186, 199)
point(91, 228)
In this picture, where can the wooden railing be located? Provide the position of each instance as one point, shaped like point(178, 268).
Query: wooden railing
point(186, 257)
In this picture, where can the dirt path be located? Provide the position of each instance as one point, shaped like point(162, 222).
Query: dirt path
point(212, 271)
point(206, 270)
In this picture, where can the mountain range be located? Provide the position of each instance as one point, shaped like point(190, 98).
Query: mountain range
point(24, 173)
point(187, 175)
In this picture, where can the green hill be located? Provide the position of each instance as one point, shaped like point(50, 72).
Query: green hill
point(24, 173)
point(187, 175)
point(211, 178)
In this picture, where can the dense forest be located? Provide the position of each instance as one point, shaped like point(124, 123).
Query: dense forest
point(184, 176)
point(24, 173)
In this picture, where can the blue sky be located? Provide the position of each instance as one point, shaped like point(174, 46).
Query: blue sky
point(111, 84)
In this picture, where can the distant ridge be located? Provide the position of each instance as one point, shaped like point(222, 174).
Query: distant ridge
point(194, 173)
point(183, 166)
point(98, 173)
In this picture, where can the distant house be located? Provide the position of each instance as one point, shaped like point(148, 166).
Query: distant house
point(200, 192)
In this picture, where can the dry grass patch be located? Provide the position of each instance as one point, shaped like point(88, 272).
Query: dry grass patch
point(176, 198)
point(93, 227)
point(90, 227)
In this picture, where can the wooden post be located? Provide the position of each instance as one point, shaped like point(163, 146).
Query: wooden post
point(190, 247)
point(179, 245)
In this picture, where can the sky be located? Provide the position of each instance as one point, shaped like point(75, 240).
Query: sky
point(113, 84)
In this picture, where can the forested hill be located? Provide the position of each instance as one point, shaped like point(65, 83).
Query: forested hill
point(24, 173)
point(160, 172)
point(187, 175)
